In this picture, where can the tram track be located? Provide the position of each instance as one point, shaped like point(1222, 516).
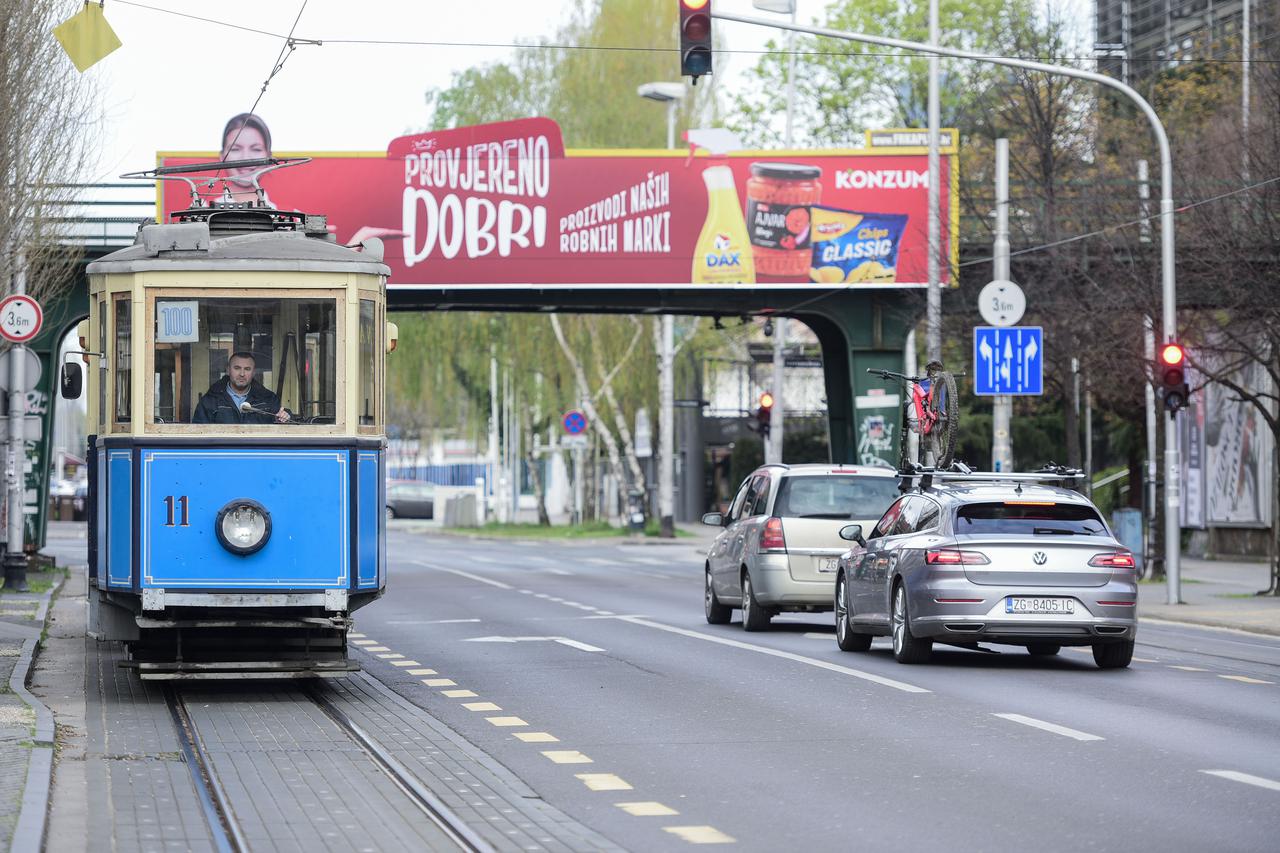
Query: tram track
point(219, 812)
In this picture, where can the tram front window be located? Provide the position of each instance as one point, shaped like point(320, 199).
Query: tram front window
point(245, 361)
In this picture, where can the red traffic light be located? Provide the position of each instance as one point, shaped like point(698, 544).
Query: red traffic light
point(766, 400)
point(1172, 354)
point(695, 38)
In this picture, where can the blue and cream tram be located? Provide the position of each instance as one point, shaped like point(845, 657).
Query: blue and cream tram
point(238, 524)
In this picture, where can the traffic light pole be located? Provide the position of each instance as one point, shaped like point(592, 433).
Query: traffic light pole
point(1172, 496)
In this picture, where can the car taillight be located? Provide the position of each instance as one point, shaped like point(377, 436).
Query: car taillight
point(1113, 560)
point(771, 538)
point(955, 557)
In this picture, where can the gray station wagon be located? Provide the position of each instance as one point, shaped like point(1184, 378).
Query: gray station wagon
point(1000, 561)
point(781, 543)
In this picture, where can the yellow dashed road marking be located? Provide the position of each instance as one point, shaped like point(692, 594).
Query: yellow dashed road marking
point(603, 782)
point(439, 682)
point(391, 656)
point(506, 721)
point(1188, 668)
point(458, 694)
point(537, 737)
point(376, 649)
point(481, 706)
point(406, 663)
point(646, 809)
point(567, 756)
point(365, 642)
point(699, 834)
point(1245, 679)
point(423, 672)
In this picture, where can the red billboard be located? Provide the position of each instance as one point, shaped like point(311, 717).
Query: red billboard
point(506, 205)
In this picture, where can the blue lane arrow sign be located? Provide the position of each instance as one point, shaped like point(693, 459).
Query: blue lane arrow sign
point(1008, 360)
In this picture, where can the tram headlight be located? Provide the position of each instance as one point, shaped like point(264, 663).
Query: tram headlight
point(243, 526)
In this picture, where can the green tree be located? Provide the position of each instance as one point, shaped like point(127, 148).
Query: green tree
point(843, 87)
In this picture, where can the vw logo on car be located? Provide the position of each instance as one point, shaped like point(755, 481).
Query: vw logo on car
point(1039, 558)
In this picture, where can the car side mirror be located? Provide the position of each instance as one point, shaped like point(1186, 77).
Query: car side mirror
point(853, 533)
point(713, 519)
point(71, 381)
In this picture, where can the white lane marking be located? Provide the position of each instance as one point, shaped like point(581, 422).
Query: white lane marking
point(469, 576)
point(1187, 668)
point(430, 621)
point(1248, 779)
point(541, 595)
point(555, 571)
point(1048, 727)
point(597, 561)
point(533, 559)
point(480, 559)
point(777, 653)
point(647, 561)
point(818, 635)
point(564, 641)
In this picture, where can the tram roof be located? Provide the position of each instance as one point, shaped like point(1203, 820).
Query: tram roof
point(188, 246)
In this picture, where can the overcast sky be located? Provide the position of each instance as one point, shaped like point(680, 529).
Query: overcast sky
point(176, 81)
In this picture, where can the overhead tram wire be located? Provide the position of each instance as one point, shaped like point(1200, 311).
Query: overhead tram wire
point(650, 49)
point(286, 50)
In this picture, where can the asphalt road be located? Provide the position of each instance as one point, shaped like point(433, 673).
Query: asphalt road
point(590, 672)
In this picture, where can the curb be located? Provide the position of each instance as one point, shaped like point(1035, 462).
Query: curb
point(1215, 625)
point(28, 833)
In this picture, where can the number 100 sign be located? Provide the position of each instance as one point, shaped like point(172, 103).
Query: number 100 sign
point(20, 318)
point(177, 322)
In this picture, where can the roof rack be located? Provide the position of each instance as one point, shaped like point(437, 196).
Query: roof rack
point(925, 477)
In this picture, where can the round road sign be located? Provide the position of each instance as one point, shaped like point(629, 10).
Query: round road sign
point(574, 422)
point(20, 318)
point(1002, 303)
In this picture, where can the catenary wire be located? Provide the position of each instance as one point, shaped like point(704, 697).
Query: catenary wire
point(650, 49)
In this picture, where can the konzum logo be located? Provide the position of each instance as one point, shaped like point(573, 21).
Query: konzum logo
point(881, 179)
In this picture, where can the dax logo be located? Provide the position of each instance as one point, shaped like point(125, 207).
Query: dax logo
point(722, 257)
point(1039, 558)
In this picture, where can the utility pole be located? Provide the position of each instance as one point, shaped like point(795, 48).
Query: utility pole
point(1168, 272)
point(1246, 36)
point(666, 427)
point(494, 477)
point(15, 557)
point(934, 313)
point(1002, 405)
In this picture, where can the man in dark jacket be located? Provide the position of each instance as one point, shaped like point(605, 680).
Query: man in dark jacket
point(224, 402)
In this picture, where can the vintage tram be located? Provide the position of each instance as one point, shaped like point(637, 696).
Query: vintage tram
point(235, 525)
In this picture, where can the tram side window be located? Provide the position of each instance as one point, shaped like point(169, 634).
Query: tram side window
point(368, 400)
point(124, 358)
point(241, 361)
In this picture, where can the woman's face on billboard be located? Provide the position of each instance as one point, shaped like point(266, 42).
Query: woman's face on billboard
point(246, 143)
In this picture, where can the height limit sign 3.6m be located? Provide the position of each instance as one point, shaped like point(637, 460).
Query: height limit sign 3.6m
point(20, 318)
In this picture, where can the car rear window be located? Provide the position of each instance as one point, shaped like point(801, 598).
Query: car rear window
point(835, 496)
point(1028, 518)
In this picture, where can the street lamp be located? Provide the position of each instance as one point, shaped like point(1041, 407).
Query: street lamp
point(670, 94)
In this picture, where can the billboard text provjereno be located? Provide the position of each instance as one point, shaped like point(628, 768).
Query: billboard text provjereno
point(506, 205)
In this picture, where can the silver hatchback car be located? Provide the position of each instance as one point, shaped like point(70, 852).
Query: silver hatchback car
point(1000, 561)
point(781, 543)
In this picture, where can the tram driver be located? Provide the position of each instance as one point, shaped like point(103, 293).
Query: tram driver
point(238, 398)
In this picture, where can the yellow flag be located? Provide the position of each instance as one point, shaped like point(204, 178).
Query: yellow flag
point(86, 37)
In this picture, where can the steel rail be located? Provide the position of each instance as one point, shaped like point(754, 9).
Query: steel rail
point(430, 805)
point(227, 836)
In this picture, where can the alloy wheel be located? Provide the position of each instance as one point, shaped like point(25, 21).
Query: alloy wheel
point(899, 619)
point(842, 610)
point(746, 598)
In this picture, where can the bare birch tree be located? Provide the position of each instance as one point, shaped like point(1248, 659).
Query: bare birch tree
point(49, 133)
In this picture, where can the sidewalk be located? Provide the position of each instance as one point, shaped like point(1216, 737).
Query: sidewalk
point(26, 726)
point(1218, 593)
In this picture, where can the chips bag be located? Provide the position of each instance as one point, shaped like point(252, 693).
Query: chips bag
point(855, 248)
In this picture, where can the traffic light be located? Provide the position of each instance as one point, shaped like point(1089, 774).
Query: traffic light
point(1171, 370)
point(763, 413)
point(695, 38)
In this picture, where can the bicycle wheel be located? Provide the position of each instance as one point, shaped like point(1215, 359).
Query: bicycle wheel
point(904, 438)
point(944, 404)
